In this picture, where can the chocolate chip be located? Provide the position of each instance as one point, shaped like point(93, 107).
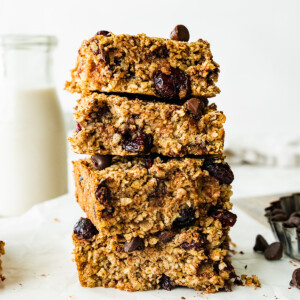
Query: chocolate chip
point(102, 194)
point(273, 251)
point(84, 228)
point(104, 33)
point(260, 244)
point(166, 283)
point(180, 33)
point(279, 218)
point(218, 170)
point(166, 236)
point(136, 244)
point(195, 106)
point(187, 218)
point(226, 217)
point(104, 55)
point(193, 245)
point(172, 86)
point(296, 278)
point(101, 161)
point(78, 127)
point(292, 222)
point(141, 144)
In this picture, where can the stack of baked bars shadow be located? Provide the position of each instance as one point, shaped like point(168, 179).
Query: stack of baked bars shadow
point(155, 189)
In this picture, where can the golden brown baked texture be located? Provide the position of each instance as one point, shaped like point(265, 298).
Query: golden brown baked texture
point(115, 125)
point(138, 64)
point(185, 259)
point(136, 196)
point(2, 252)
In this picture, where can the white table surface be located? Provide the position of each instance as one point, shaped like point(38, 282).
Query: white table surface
point(38, 261)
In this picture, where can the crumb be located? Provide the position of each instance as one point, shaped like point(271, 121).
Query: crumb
point(251, 281)
point(20, 284)
point(233, 244)
point(43, 275)
point(56, 220)
point(182, 297)
point(232, 251)
point(294, 263)
point(246, 266)
point(242, 252)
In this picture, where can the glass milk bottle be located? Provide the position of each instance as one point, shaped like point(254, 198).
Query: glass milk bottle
point(33, 165)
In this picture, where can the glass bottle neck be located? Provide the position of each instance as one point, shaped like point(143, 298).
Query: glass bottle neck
point(26, 64)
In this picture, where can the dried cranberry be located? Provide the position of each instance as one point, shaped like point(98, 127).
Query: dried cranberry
point(84, 228)
point(218, 170)
point(104, 33)
point(78, 127)
point(148, 162)
point(166, 283)
point(102, 194)
point(187, 218)
point(172, 86)
point(226, 217)
point(142, 143)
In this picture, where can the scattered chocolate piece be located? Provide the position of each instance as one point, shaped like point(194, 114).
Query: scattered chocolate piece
point(142, 144)
point(260, 244)
point(218, 170)
point(187, 218)
point(102, 194)
point(101, 161)
point(136, 244)
point(195, 106)
point(273, 251)
point(296, 278)
point(226, 217)
point(104, 33)
point(180, 33)
point(166, 283)
point(84, 228)
point(78, 127)
point(166, 236)
point(172, 86)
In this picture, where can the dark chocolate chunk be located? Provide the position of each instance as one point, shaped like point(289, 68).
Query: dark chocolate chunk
point(84, 228)
point(136, 244)
point(196, 106)
point(273, 251)
point(187, 218)
point(102, 194)
point(166, 283)
point(166, 236)
point(226, 217)
point(296, 278)
point(104, 55)
point(78, 127)
point(172, 86)
point(141, 144)
point(180, 33)
point(104, 33)
point(101, 161)
point(260, 244)
point(218, 170)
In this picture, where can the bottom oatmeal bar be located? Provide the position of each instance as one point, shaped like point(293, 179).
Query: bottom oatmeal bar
point(163, 260)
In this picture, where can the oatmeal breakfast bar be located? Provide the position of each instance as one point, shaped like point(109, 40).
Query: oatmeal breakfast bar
point(115, 125)
point(165, 68)
point(165, 260)
point(136, 195)
point(2, 252)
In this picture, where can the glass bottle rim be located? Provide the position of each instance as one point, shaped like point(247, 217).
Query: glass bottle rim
point(21, 41)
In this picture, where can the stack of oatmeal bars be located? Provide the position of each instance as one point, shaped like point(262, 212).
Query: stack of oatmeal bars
point(156, 189)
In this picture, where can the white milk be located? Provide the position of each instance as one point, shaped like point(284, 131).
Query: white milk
point(33, 165)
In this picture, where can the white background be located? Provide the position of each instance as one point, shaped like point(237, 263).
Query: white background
point(257, 44)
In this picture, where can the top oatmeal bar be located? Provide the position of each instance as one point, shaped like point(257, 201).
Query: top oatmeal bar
point(165, 68)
